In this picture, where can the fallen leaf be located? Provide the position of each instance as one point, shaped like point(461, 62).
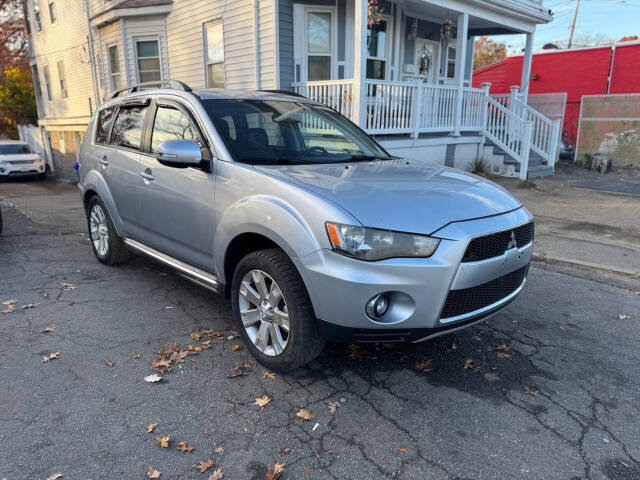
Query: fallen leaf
point(286, 451)
point(262, 401)
point(68, 286)
point(333, 406)
point(161, 365)
point(531, 391)
point(491, 377)
point(219, 450)
point(624, 317)
point(503, 350)
point(30, 305)
point(274, 474)
point(136, 355)
point(269, 375)
point(306, 471)
point(196, 335)
point(401, 449)
point(235, 348)
point(185, 447)
point(9, 302)
point(153, 473)
point(55, 476)
point(305, 414)
point(53, 356)
point(239, 369)
point(468, 364)
point(206, 344)
point(151, 427)
point(454, 346)
point(234, 334)
point(203, 465)
point(49, 329)
point(10, 306)
point(109, 363)
point(163, 442)
point(425, 365)
point(625, 464)
point(153, 378)
point(216, 475)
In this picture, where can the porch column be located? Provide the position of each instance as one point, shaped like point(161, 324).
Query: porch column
point(526, 67)
point(360, 63)
point(461, 61)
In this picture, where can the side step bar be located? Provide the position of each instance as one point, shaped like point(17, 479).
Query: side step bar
point(194, 274)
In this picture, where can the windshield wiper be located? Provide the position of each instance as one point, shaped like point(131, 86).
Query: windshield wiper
point(356, 158)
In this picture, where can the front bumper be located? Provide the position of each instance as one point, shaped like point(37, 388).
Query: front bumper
point(340, 287)
point(21, 170)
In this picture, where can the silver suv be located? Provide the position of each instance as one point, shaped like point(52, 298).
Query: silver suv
point(311, 227)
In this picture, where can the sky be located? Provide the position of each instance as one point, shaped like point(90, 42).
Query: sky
point(613, 18)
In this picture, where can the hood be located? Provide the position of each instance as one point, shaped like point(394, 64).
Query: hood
point(12, 157)
point(404, 195)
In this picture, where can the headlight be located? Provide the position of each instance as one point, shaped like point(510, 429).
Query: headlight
point(374, 244)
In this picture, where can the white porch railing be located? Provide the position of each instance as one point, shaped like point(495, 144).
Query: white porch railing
point(415, 108)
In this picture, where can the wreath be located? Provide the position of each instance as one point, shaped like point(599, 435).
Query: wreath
point(426, 61)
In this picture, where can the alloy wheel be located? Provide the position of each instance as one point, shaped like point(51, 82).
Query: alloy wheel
point(264, 312)
point(99, 230)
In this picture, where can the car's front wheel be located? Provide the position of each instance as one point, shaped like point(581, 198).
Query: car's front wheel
point(273, 312)
point(107, 245)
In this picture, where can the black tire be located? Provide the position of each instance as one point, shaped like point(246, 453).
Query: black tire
point(117, 252)
point(41, 176)
point(304, 342)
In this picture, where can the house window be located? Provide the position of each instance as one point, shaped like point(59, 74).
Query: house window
point(318, 46)
point(47, 81)
point(214, 40)
point(36, 82)
point(36, 15)
point(52, 12)
point(114, 68)
point(451, 62)
point(377, 50)
point(148, 60)
point(63, 82)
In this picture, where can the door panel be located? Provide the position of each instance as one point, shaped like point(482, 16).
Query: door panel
point(120, 170)
point(175, 204)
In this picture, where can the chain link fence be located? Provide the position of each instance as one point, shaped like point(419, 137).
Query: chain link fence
point(610, 125)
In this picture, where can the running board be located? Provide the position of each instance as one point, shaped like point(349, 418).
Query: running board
point(194, 274)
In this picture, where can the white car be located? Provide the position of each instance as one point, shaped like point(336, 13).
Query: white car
point(17, 158)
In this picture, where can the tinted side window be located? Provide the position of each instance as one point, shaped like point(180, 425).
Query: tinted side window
point(105, 117)
point(171, 124)
point(127, 129)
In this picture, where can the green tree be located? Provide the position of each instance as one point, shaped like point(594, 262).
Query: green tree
point(17, 101)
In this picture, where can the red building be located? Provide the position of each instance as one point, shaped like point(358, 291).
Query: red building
point(580, 71)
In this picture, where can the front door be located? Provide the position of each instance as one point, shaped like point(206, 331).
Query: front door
point(427, 59)
point(176, 204)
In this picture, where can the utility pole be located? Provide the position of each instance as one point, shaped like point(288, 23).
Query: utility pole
point(573, 23)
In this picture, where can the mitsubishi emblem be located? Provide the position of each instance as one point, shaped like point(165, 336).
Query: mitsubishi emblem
point(512, 242)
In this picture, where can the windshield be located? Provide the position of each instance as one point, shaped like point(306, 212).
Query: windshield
point(268, 132)
point(13, 148)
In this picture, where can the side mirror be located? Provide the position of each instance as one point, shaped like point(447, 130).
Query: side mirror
point(180, 153)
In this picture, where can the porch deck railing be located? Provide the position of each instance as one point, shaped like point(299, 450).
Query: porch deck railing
point(415, 108)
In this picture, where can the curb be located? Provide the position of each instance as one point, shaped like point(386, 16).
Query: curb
point(570, 262)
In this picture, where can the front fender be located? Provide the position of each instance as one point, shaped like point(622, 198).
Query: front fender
point(271, 217)
point(94, 181)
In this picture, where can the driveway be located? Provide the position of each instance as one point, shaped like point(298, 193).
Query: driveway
point(549, 388)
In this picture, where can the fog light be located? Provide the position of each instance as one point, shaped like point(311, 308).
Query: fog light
point(377, 307)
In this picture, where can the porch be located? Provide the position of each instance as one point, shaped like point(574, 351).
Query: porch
point(407, 74)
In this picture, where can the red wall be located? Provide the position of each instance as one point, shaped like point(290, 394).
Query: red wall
point(577, 72)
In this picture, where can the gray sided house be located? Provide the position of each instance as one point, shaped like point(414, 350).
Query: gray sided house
point(400, 69)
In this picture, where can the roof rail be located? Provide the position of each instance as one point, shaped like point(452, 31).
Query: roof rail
point(285, 92)
point(174, 84)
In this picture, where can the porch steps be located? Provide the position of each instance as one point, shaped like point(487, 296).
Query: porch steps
point(537, 165)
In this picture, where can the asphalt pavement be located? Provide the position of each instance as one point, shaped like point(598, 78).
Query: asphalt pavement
point(549, 388)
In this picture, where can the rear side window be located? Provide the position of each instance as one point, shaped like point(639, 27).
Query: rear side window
point(127, 129)
point(105, 117)
point(171, 124)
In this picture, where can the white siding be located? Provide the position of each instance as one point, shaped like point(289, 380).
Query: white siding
point(107, 36)
point(152, 27)
point(66, 41)
point(186, 41)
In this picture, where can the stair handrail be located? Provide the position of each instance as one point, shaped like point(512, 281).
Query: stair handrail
point(545, 139)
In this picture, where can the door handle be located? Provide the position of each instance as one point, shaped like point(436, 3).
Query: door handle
point(147, 174)
point(104, 162)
